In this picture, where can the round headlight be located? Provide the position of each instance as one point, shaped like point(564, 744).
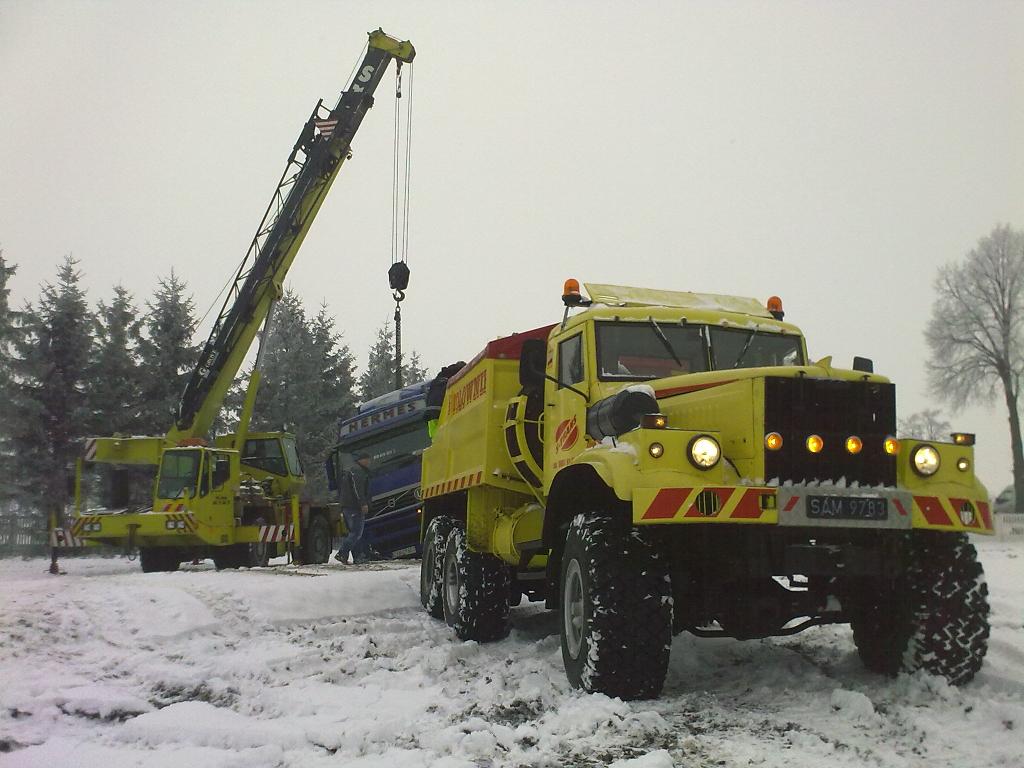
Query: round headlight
point(963, 464)
point(656, 450)
point(925, 460)
point(704, 452)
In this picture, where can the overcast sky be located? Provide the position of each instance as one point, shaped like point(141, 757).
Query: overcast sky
point(832, 153)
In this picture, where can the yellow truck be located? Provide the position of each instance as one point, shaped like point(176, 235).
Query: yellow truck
point(664, 461)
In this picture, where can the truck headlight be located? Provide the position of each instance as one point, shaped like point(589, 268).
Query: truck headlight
point(705, 451)
point(925, 460)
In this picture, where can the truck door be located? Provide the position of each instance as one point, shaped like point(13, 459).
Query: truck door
point(565, 419)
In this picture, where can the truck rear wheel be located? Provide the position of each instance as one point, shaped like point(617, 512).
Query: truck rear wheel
point(934, 617)
point(616, 606)
point(431, 566)
point(157, 559)
point(475, 591)
point(316, 541)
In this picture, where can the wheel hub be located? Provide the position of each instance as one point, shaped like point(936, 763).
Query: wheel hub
point(451, 582)
point(572, 608)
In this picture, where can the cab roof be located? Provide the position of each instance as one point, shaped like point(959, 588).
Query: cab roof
point(626, 296)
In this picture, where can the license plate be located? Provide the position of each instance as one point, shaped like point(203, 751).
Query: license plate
point(847, 508)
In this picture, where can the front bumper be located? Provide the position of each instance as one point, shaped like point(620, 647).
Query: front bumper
point(788, 506)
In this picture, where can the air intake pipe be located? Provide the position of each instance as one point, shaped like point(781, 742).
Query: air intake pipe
point(619, 413)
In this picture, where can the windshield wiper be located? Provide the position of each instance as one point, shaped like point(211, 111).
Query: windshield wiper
point(664, 340)
point(746, 346)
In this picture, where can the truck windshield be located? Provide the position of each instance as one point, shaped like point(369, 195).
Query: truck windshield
point(265, 453)
point(740, 348)
point(630, 351)
point(179, 471)
point(391, 450)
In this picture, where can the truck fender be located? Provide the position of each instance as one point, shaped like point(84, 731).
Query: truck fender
point(581, 487)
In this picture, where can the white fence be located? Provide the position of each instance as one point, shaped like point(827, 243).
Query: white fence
point(1009, 527)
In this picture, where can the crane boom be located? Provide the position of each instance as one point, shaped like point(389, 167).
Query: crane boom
point(318, 154)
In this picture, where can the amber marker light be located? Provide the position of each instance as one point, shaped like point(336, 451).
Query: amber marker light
point(963, 438)
point(815, 444)
point(891, 445)
point(854, 444)
point(653, 421)
point(773, 441)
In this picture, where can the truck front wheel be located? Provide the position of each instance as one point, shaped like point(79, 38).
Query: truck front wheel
point(616, 606)
point(933, 617)
point(475, 591)
point(431, 566)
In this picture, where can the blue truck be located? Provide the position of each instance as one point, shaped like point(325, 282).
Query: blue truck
point(392, 429)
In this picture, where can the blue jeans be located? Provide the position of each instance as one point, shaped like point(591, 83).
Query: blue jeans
point(355, 520)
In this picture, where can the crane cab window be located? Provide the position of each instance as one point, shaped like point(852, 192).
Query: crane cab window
point(179, 473)
point(570, 360)
point(221, 469)
point(266, 454)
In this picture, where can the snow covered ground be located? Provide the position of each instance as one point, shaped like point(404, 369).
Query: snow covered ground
point(326, 666)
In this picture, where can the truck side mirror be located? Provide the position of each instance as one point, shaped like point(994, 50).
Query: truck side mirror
point(532, 361)
point(863, 364)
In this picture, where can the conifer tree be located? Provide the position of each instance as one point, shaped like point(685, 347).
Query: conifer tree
point(379, 376)
point(115, 385)
point(52, 355)
point(8, 334)
point(115, 380)
point(166, 353)
point(306, 384)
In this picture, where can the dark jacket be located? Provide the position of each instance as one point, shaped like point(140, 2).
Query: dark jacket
point(354, 488)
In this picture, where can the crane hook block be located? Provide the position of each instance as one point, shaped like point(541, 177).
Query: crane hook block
point(398, 276)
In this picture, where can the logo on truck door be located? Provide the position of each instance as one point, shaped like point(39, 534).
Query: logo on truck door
point(566, 434)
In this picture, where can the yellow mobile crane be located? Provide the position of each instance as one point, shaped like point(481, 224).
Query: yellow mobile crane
point(238, 499)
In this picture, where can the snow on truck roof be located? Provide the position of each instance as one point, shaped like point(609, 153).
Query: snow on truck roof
point(626, 296)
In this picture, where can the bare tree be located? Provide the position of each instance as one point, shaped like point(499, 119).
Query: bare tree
point(925, 425)
point(976, 332)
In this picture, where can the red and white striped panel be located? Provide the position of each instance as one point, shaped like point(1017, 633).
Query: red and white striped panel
point(271, 533)
point(172, 507)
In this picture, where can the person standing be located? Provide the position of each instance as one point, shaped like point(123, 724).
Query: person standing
point(354, 490)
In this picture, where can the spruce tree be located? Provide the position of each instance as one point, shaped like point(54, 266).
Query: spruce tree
point(115, 377)
point(334, 399)
point(167, 354)
point(306, 385)
point(115, 385)
point(53, 353)
point(379, 376)
point(8, 334)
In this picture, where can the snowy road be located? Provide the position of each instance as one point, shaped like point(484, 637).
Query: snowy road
point(329, 667)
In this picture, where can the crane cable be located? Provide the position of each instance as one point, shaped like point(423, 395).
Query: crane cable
point(398, 274)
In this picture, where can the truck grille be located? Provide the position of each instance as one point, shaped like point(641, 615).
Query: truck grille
point(834, 410)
